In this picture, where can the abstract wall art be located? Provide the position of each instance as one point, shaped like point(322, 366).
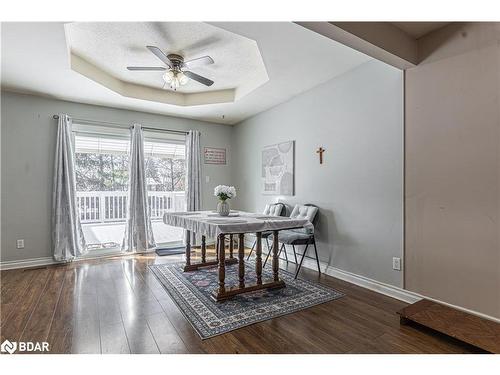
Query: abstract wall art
point(278, 169)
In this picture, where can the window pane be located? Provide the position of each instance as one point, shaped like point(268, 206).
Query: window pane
point(165, 177)
point(101, 165)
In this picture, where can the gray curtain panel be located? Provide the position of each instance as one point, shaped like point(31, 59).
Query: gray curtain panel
point(138, 229)
point(193, 173)
point(67, 234)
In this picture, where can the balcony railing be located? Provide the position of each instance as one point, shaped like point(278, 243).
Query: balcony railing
point(111, 206)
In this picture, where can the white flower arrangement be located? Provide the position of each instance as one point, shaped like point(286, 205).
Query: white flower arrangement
point(224, 192)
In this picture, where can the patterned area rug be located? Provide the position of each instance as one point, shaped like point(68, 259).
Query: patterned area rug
point(191, 291)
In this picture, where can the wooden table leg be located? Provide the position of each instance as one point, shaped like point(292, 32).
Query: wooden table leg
point(241, 258)
point(203, 249)
point(217, 249)
point(188, 248)
point(222, 264)
point(275, 256)
point(223, 292)
point(258, 260)
point(231, 246)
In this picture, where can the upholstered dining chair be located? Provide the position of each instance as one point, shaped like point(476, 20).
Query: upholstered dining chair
point(301, 236)
point(274, 209)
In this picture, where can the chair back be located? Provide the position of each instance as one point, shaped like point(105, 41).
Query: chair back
point(306, 211)
point(316, 214)
point(275, 209)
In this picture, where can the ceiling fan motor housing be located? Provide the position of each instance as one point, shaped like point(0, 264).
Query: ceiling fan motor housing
point(177, 60)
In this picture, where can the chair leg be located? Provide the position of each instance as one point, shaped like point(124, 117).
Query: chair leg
point(317, 257)
point(281, 249)
point(251, 250)
point(301, 260)
point(284, 250)
point(295, 254)
point(268, 253)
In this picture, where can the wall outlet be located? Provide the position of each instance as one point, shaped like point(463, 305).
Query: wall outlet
point(207, 179)
point(396, 264)
point(20, 244)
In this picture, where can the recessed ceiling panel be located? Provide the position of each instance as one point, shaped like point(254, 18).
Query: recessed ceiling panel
point(102, 51)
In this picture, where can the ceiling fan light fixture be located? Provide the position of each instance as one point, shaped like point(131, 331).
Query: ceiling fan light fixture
point(168, 76)
point(175, 79)
point(183, 79)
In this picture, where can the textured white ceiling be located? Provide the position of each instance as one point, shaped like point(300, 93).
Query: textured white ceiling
point(112, 46)
point(35, 60)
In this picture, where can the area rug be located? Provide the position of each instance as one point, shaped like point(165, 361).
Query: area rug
point(191, 291)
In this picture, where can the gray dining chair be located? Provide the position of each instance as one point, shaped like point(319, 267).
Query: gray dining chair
point(274, 209)
point(301, 236)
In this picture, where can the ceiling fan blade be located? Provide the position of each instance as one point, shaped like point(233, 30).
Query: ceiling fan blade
point(205, 60)
point(158, 53)
point(198, 78)
point(149, 68)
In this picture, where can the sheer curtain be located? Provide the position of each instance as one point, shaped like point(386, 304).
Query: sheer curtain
point(67, 234)
point(138, 229)
point(193, 173)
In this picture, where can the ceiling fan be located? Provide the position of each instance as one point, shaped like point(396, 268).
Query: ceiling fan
point(176, 74)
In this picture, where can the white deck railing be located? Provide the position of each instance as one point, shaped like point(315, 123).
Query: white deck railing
point(111, 206)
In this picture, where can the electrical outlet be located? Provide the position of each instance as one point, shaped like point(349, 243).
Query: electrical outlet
point(20, 244)
point(207, 179)
point(396, 264)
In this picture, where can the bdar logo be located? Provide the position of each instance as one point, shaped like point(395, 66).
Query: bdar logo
point(8, 347)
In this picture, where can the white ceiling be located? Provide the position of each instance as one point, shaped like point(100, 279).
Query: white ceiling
point(35, 59)
point(112, 46)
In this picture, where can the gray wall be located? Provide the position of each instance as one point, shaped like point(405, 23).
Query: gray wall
point(358, 119)
point(453, 167)
point(28, 143)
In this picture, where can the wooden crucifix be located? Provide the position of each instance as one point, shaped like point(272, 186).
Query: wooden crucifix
point(320, 152)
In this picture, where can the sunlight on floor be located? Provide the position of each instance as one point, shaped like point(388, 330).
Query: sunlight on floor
point(110, 235)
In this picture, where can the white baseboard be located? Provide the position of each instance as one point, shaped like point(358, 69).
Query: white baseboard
point(382, 288)
point(365, 282)
point(47, 261)
point(26, 263)
point(362, 281)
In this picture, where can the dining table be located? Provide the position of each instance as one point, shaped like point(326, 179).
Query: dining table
point(209, 224)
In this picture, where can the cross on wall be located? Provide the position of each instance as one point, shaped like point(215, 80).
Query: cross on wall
point(320, 151)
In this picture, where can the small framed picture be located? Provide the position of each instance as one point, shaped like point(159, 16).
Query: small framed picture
point(215, 155)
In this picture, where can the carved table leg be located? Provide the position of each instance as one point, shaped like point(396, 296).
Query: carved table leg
point(258, 260)
point(231, 246)
point(203, 249)
point(241, 258)
point(222, 264)
point(217, 249)
point(188, 248)
point(275, 256)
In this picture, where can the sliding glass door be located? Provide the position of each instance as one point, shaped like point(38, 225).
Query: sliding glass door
point(165, 164)
point(101, 163)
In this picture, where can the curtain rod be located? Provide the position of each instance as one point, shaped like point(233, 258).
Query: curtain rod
point(119, 125)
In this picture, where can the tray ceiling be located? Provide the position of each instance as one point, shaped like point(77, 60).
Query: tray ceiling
point(102, 51)
point(36, 60)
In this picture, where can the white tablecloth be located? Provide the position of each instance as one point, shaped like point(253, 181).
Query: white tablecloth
point(210, 224)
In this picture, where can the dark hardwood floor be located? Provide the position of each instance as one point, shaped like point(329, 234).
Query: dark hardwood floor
point(116, 305)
